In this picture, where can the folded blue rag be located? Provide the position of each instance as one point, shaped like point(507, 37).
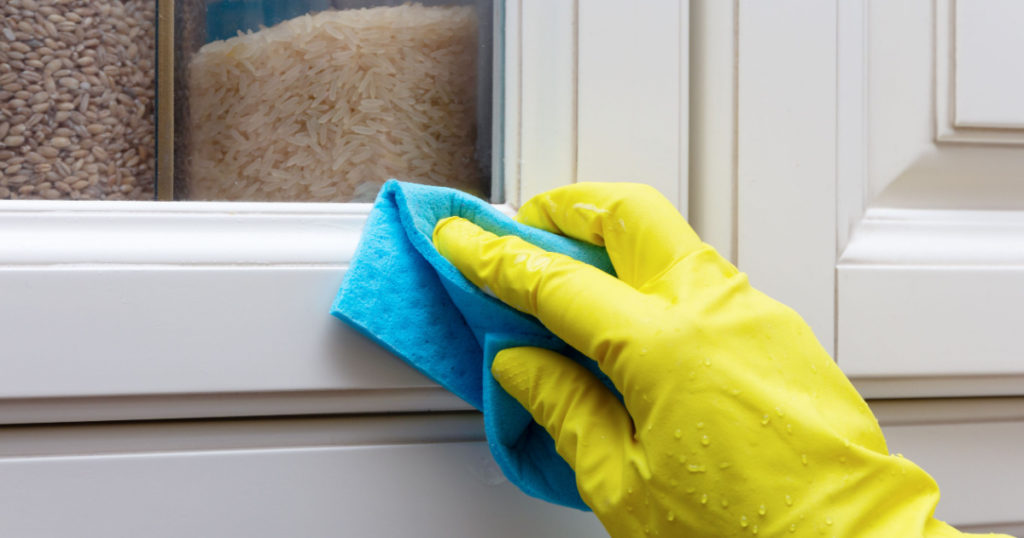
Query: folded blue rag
point(400, 292)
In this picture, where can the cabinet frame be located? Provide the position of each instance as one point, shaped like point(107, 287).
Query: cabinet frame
point(149, 310)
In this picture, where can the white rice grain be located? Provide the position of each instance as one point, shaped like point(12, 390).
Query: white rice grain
point(327, 107)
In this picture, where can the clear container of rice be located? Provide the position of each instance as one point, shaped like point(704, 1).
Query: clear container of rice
point(77, 99)
point(325, 100)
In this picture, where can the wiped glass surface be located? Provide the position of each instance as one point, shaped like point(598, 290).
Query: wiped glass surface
point(324, 100)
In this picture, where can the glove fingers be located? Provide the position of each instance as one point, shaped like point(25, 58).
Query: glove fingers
point(639, 227)
point(589, 309)
point(590, 426)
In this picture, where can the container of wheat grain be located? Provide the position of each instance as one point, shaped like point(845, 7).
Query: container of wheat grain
point(324, 100)
point(77, 96)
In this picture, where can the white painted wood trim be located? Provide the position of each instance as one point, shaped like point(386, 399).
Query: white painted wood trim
point(178, 233)
point(937, 238)
point(425, 476)
point(61, 440)
point(45, 233)
point(595, 93)
point(786, 147)
point(932, 298)
point(926, 299)
point(851, 120)
point(633, 95)
point(970, 446)
point(369, 400)
point(977, 466)
point(190, 340)
point(547, 52)
point(909, 385)
point(712, 139)
point(908, 411)
point(143, 310)
point(512, 103)
point(922, 302)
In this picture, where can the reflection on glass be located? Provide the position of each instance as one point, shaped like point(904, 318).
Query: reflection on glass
point(77, 97)
point(324, 100)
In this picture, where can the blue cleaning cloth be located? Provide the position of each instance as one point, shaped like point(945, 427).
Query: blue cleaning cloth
point(400, 292)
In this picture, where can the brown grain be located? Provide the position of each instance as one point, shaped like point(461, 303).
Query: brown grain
point(77, 95)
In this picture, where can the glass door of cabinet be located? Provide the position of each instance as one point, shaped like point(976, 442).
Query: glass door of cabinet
point(324, 100)
point(244, 100)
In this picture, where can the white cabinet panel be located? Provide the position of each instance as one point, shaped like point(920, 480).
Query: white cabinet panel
point(863, 202)
point(393, 476)
point(989, 72)
point(928, 280)
point(327, 488)
point(152, 332)
point(924, 306)
point(633, 105)
point(978, 467)
point(384, 491)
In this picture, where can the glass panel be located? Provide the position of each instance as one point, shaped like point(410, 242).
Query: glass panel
point(324, 100)
point(77, 96)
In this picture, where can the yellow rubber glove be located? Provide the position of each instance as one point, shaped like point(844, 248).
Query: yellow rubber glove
point(736, 421)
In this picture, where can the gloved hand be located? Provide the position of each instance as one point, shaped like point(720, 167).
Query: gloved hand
point(734, 420)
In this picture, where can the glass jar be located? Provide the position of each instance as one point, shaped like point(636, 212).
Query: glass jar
point(77, 98)
point(324, 100)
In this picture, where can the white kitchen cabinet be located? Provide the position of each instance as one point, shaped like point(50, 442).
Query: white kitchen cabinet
point(868, 184)
point(867, 200)
point(826, 147)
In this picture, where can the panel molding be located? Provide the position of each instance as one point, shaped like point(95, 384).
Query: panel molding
point(947, 128)
point(906, 249)
point(100, 408)
point(937, 238)
point(907, 411)
point(928, 303)
point(113, 438)
point(926, 268)
point(45, 233)
point(712, 152)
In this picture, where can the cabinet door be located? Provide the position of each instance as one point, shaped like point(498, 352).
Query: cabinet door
point(879, 148)
point(138, 310)
point(853, 180)
point(385, 477)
